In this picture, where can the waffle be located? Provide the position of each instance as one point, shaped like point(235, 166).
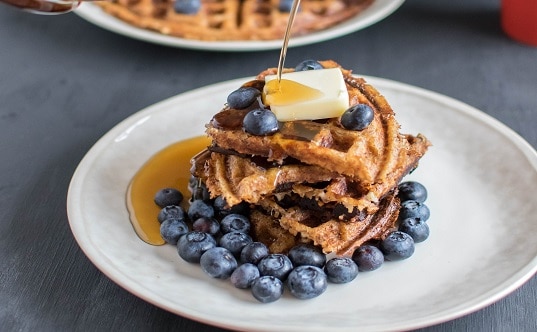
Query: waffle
point(330, 234)
point(296, 203)
point(312, 181)
point(242, 178)
point(375, 159)
point(221, 20)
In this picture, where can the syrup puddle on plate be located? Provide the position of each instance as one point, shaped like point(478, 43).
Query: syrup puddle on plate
point(168, 168)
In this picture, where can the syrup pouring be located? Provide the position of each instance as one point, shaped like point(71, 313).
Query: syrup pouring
point(283, 52)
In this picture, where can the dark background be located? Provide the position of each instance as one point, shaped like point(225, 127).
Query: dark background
point(65, 82)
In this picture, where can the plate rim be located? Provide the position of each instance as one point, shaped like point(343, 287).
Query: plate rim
point(93, 14)
point(506, 287)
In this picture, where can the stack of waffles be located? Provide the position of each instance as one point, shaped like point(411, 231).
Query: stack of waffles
point(220, 20)
point(313, 181)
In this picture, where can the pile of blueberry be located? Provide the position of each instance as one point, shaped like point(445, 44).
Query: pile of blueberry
point(262, 121)
point(217, 238)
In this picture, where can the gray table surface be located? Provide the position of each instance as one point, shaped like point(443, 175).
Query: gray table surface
point(65, 82)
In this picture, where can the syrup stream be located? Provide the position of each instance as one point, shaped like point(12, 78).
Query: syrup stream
point(283, 53)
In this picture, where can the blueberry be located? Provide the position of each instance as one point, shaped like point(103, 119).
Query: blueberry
point(218, 262)
point(193, 182)
point(413, 209)
point(235, 223)
point(306, 282)
point(244, 276)
point(253, 252)
point(267, 289)
point(260, 122)
point(200, 191)
point(172, 229)
point(368, 258)
point(235, 242)
point(168, 196)
point(306, 254)
point(171, 211)
point(276, 265)
point(220, 205)
point(193, 244)
point(416, 228)
point(308, 65)
point(242, 97)
point(206, 225)
point(412, 191)
point(357, 117)
point(285, 6)
point(189, 7)
point(222, 209)
point(341, 270)
point(199, 209)
point(397, 246)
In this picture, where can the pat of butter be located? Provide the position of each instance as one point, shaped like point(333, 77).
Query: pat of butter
point(307, 95)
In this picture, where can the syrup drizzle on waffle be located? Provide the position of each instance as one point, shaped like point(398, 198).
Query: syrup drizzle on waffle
point(283, 53)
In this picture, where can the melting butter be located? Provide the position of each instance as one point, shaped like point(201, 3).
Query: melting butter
point(287, 92)
point(307, 95)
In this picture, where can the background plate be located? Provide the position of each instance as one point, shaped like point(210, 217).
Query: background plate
point(376, 12)
point(481, 180)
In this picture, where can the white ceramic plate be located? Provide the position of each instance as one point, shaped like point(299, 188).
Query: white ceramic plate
point(376, 12)
point(481, 179)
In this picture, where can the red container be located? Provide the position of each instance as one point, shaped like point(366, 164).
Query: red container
point(519, 20)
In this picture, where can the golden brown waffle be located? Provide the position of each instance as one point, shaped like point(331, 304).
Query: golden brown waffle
point(375, 159)
point(332, 235)
point(241, 178)
point(290, 206)
point(313, 181)
point(233, 19)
